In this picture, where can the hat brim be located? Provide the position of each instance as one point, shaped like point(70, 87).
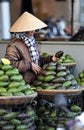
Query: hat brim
point(27, 22)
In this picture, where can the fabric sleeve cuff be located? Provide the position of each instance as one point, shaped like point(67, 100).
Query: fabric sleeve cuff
point(30, 65)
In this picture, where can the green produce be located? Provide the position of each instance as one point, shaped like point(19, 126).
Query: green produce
point(60, 61)
point(39, 88)
point(11, 81)
point(22, 82)
point(61, 73)
point(29, 86)
point(71, 114)
point(75, 87)
point(27, 122)
point(52, 63)
point(13, 71)
point(15, 121)
point(61, 68)
point(58, 85)
point(46, 114)
point(1, 65)
point(82, 83)
point(50, 128)
point(14, 84)
point(28, 92)
point(9, 116)
point(68, 56)
point(75, 108)
point(18, 94)
point(68, 61)
point(80, 78)
point(2, 111)
point(40, 77)
point(4, 78)
point(30, 112)
point(37, 83)
point(3, 123)
point(45, 66)
point(23, 88)
point(3, 84)
point(53, 114)
point(48, 78)
point(6, 94)
point(21, 127)
point(58, 80)
point(16, 78)
point(68, 71)
point(2, 89)
point(1, 72)
point(6, 67)
point(69, 77)
point(8, 127)
point(81, 75)
point(63, 57)
point(51, 67)
point(13, 90)
point(44, 85)
point(50, 72)
point(45, 54)
point(66, 84)
point(40, 127)
point(73, 82)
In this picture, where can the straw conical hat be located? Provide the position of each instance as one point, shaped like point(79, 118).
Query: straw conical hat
point(27, 22)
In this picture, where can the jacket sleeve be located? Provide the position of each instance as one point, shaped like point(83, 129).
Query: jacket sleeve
point(44, 60)
point(17, 58)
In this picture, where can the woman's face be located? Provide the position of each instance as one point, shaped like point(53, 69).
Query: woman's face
point(30, 33)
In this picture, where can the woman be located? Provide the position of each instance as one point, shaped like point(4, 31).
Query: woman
point(22, 51)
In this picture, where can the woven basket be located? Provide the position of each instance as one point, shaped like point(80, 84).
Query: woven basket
point(49, 94)
point(12, 100)
point(55, 91)
point(69, 64)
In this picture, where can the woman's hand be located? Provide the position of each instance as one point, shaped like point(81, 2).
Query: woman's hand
point(37, 69)
point(54, 58)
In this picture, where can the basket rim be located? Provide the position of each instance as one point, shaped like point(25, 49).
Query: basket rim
point(69, 64)
point(55, 91)
point(17, 99)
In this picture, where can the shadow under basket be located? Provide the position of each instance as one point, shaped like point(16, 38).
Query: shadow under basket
point(73, 98)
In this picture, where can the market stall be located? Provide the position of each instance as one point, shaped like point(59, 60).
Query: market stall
point(32, 106)
point(16, 102)
point(21, 103)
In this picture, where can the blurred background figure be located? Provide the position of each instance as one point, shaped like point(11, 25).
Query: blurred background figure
point(5, 19)
point(57, 27)
point(26, 5)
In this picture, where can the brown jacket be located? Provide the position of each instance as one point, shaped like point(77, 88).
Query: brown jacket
point(17, 52)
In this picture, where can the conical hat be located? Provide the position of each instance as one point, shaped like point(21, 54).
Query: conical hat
point(27, 22)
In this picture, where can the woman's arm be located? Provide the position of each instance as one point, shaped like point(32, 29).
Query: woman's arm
point(44, 60)
point(17, 58)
